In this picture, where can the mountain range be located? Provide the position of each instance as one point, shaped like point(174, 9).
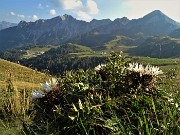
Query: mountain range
point(4, 25)
point(66, 29)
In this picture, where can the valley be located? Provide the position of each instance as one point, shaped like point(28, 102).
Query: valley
point(68, 76)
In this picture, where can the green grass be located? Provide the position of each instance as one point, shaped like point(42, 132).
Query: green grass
point(84, 48)
point(21, 77)
point(16, 84)
point(121, 43)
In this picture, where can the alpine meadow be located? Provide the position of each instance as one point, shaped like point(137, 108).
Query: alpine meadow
point(91, 71)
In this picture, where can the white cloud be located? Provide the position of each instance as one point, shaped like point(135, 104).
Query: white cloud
point(92, 7)
point(12, 13)
point(34, 17)
point(81, 10)
point(52, 12)
point(21, 16)
point(17, 15)
point(83, 15)
point(68, 4)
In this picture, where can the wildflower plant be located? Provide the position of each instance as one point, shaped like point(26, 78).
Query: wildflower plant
point(143, 76)
point(117, 97)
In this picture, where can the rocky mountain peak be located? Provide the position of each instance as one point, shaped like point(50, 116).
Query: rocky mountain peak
point(123, 20)
point(67, 16)
point(22, 24)
point(158, 16)
point(96, 22)
point(155, 12)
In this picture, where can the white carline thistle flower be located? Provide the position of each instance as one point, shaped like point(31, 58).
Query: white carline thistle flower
point(135, 67)
point(99, 67)
point(143, 76)
point(37, 94)
point(148, 70)
point(47, 87)
point(121, 52)
point(152, 70)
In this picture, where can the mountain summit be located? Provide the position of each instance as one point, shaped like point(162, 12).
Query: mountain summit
point(154, 23)
point(154, 13)
point(157, 15)
point(64, 29)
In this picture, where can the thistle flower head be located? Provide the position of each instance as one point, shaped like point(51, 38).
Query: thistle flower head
point(135, 67)
point(143, 76)
point(152, 70)
point(37, 94)
point(100, 67)
point(148, 70)
point(47, 87)
point(121, 52)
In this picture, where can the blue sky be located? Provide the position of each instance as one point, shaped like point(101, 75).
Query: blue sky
point(31, 10)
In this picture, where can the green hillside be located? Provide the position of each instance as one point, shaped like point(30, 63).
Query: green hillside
point(21, 77)
point(65, 57)
point(120, 43)
point(158, 47)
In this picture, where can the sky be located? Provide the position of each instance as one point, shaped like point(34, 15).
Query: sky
point(32, 10)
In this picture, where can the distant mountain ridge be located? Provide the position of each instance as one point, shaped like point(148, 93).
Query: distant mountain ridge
point(4, 25)
point(65, 29)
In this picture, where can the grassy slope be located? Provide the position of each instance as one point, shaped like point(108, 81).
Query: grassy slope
point(120, 43)
point(21, 77)
point(85, 51)
point(85, 48)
